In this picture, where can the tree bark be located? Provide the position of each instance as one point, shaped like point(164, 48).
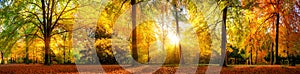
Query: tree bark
point(256, 56)
point(47, 48)
point(134, 43)
point(251, 55)
point(224, 39)
point(64, 50)
point(46, 34)
point(287, 53)
point(272, 54)
point(26, 51)
point(277, 34)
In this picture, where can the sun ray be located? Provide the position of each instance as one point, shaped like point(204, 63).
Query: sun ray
point(174, 39)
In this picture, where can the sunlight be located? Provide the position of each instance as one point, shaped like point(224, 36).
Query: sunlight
point(173, 38)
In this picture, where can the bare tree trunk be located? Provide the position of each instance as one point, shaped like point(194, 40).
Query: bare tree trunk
point(64, 49)
point(148, 47)
point(256, 53)
point(47, 48)
point(134, 43)
point(26, 51)
point(277, 32)
point(12, 60)
point(46, 30)
point(272, 54)
point(223, 44)
point(251, 55)
point(287, 52)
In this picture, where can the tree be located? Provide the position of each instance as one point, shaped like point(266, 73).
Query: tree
point(224, 5)
point(29, 35)
point(224, 39)
point(272, 11)
point(200, 26)
point(176, 6)
point(49, 13)
point(10, 22)
point(134, 40)
point(291, 28)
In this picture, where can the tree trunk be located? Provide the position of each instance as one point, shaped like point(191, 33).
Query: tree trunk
point(46, 25)
point(12, 60)
point(64, 48)
point(47, 48)
point(256, 56)
point(287, 53)
point(277, 32)
point(2, 59)
point(235, 61)
point(26, 56)
point(251, 55)
point(148, 47)
point(36, 58)
point(134, 43)
point(178, 34)
point(272, 54)
point(223, 44)
point(26, 51)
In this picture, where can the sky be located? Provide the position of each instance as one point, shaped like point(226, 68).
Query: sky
point(0, 5)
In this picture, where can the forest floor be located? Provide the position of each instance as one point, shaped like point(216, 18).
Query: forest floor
point(148, 69)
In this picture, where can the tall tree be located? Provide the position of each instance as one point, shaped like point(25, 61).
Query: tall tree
point(134, 39)
point(176, 7)
point(48, 15)
point(224, 39)
point(10, 22)
point(271, 11)
point(29, 37)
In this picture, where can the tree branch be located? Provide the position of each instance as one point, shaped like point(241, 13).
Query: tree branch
point(55, 23)
point(65, 31)
point(44, 18)
point(36, 35)
point(39, 26)
point(37, 17)
point(35, 4)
